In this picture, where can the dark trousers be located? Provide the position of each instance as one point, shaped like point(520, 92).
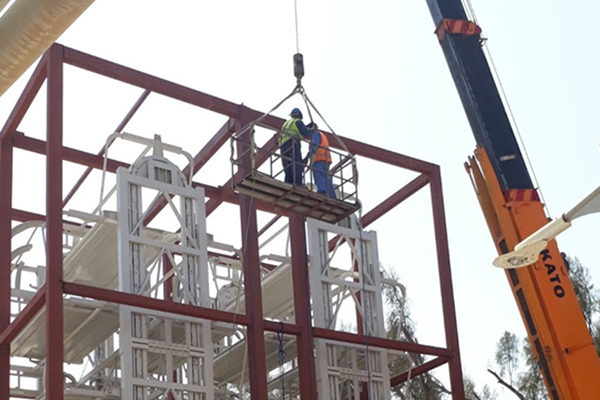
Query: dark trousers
point(323, 178)
point(291, 156)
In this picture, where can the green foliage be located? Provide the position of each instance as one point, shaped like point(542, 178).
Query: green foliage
point(587, 294)
point(401, 327)
point(471, 392)
point(508, 355)
point(531, 383)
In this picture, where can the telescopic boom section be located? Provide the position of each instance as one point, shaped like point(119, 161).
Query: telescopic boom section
point(513, 210)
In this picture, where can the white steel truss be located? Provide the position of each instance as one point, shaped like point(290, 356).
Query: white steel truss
point(163, 355)
point(345, 369)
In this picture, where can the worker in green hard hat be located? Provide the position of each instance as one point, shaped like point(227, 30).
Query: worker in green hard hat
point(292, 133)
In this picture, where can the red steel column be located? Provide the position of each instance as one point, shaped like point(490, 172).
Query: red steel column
point(54, 292)
point(306, 362)
point(6, 154)
point(252, 284)
point(447, 292)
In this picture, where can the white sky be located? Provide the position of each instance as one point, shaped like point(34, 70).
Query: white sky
point(377, 73)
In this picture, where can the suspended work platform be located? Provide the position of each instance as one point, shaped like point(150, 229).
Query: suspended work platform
point(267, 183)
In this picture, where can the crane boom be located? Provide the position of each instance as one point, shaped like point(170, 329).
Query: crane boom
point(543, 291)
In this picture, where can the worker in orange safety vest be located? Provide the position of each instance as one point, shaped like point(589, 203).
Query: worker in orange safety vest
point(319, 158)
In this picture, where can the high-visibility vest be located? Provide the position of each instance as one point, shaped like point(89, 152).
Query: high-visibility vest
point(289, 130)
point(323, 153)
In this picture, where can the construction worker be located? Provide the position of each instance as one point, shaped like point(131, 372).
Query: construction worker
point(292, 133)
point(319, 158)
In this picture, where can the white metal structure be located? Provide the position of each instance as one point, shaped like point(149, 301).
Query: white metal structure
point(343, 368)
point(157, 347)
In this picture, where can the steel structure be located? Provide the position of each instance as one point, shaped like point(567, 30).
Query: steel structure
point(135, 300)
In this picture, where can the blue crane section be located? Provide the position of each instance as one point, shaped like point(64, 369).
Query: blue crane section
point(480, 97)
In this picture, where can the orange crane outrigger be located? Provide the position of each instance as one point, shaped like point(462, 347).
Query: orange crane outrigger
point(513, 210)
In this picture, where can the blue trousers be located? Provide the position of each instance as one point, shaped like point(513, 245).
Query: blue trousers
point(323, 178)
point(291, 157)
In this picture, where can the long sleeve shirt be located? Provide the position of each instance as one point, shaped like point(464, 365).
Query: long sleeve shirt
point(315, 142)
point(302, 128)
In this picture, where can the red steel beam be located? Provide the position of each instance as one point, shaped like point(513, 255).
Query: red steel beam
point(365, 150)
point(24, 216)
point(164, 87)
point(25, 316)
point(302, 314)
point(385, 206)
point(112, 296)
point(447, 292)
point(269, 224)
point(6, 171)
point(419, 370)
point(213, 145)
point(289, 329)
point(379, 154)
point(120, 128)
point(380, 342)
point(89, 159)
point(161, 86)
point(149, 82)
point(69, 154)
point(398, 197)
point(31, 90)
point(255, 335)
point(54, 251)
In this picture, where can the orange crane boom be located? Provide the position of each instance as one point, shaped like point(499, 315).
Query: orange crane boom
point(543, 291)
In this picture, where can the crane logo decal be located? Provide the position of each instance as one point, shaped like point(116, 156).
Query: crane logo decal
point(559, 291)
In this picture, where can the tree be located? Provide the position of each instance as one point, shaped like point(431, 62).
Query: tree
point(508, 354)
point(401, 327)
point(587, 294)
point(531, 383)
point(472, 393)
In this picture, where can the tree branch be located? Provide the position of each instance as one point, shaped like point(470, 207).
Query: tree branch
point(507, 385)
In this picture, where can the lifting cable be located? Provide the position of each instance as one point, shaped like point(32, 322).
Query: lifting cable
point(297, 36)
point(298, 89)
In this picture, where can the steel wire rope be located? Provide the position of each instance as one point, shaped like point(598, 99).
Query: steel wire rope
point(259, 119)
point(296, 18)
point(339, 139)
point(471, 11)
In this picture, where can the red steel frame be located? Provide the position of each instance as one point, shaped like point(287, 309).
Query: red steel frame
point(50, 69)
